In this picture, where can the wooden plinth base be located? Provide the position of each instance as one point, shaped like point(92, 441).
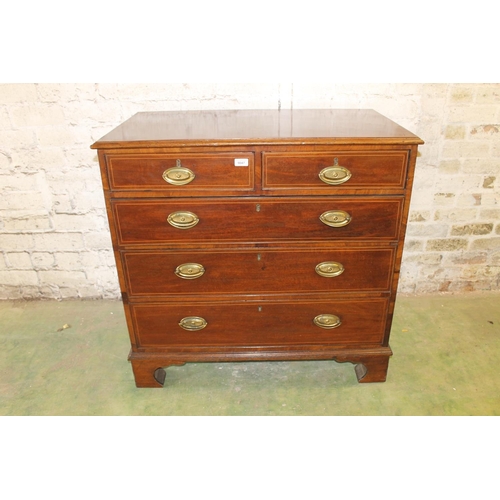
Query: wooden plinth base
point(149, 368)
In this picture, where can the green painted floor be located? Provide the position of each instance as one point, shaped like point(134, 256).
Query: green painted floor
point(446, 357)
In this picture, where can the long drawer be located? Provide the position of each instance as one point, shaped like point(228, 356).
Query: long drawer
point(341, 322)
point(258, 271)
point(182, 172)
point(334, 171)
point(252, 220)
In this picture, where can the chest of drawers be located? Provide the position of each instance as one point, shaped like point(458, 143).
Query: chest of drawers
point(258, 235)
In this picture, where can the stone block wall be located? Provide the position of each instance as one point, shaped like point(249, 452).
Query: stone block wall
point(54, 240)
point(453, 239)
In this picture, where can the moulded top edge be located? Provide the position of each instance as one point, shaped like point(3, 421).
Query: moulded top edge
point(102, 144)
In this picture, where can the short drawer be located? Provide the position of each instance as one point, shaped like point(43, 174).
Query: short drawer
point(255, 271)
point(342, 322)
point(182, 173)
point(261, 219)
point(334, 171)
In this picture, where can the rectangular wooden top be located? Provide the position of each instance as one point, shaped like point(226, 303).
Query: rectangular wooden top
point(250, 127)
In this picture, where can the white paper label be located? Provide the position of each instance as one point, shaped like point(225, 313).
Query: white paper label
point(241, 162)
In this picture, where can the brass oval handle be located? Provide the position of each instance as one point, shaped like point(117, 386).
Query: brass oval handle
point(193, 323)
point(335, 175)
point(335, 218)
point(329, 269)
point(327, 321)
point(190, 271)
point(183, 220)
point(178, 176)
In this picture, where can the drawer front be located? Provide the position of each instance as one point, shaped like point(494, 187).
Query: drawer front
point(258, 271)
point(335, 171)
point(182, 173)
point(192, 220)
point(357, 321)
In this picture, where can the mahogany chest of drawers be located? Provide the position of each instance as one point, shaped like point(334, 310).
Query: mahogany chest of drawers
point(258, 235)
